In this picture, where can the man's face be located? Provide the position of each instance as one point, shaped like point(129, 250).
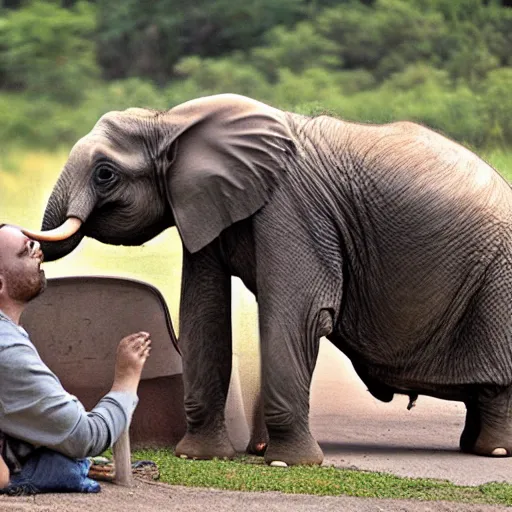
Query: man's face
point(20, 265)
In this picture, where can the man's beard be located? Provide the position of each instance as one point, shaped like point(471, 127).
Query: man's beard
point(25, 288)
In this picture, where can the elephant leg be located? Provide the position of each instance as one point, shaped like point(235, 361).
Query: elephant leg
point(291, 324)
point(298, 294)
point(288, 363)
point(205, 340)
point(488, 428)
point(485, 351)
point(259, 436)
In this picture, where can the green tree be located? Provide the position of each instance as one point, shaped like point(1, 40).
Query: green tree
point(498, 101)
point(147, 39)
point(385, 37)
point(296, 49)
point(211, 76)
point(444, 63)
point(47, 50)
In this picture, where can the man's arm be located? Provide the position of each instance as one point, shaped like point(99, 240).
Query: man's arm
point(35, 407)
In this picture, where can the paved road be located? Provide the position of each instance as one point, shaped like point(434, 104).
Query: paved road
point(356, 430)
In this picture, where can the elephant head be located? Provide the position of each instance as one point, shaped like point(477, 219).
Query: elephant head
point(201, 166)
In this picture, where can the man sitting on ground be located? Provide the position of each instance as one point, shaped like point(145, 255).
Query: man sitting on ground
point(35, 410)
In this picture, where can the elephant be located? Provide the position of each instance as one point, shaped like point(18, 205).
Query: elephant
point(392, 241)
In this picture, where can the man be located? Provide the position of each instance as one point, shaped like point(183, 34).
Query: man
point(35, 410)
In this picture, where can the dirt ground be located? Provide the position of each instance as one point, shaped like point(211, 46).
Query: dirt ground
point(155, 497)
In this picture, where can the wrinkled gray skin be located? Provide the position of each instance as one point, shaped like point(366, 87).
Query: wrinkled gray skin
point(392, 241)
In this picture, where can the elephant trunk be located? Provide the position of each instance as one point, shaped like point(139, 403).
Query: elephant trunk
point(68, 207)
point(58, 249)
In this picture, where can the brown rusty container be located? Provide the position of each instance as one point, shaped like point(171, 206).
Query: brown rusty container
point(76, 325)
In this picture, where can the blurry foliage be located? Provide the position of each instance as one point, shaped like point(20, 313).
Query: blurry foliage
point(146, 39)
point(296, 49)
point(443, 63)
point(47, 50)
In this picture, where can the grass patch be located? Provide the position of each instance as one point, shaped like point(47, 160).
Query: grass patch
point(251, 474)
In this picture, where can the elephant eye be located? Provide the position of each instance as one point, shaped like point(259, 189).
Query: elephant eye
point(104, 175)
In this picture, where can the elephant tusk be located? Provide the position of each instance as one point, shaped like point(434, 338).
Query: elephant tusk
point(69, 228)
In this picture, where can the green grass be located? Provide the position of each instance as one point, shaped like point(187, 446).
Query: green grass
point(251, 474)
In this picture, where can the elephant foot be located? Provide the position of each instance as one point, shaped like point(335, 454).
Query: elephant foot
point(293, 451)
point(488, 428)
point(205, 446)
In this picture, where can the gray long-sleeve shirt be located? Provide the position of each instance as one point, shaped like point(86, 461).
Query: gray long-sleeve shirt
point(35, 408)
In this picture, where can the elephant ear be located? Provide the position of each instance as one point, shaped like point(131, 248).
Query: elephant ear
point(225, 156)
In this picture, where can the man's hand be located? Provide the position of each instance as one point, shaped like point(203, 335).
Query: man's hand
point(132, 353)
